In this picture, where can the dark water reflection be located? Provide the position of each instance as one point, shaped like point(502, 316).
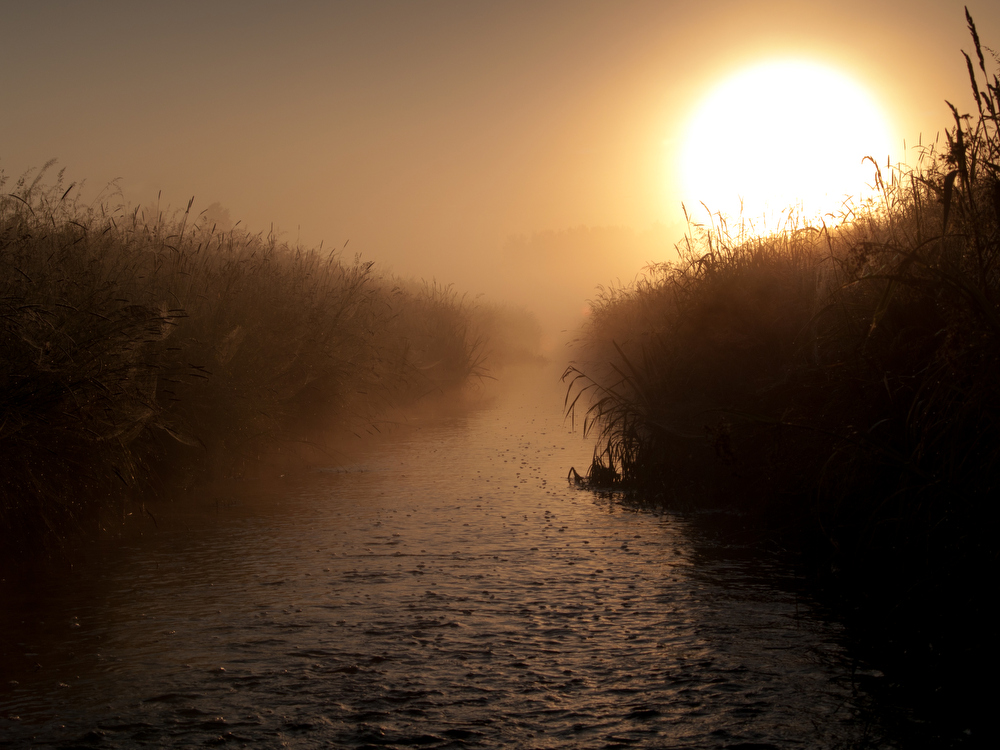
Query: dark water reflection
point(448, 589)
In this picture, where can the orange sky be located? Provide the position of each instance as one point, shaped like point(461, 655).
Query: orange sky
point(454, 140)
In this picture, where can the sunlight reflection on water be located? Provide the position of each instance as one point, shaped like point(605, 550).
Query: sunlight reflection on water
point(445, 589)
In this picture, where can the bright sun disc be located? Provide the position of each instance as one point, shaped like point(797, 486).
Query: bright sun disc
point(782, 134)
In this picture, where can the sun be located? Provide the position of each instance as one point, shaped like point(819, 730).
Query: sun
point(782, 134)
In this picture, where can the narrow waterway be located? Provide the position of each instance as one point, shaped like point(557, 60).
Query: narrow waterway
point(446, 588)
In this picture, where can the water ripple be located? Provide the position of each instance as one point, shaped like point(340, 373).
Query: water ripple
point(454, 594)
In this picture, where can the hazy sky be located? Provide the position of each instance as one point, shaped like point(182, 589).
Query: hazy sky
point(455, 140)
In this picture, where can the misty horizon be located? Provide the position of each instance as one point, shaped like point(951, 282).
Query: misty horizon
point(433, 139)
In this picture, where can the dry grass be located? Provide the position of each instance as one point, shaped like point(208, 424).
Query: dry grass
point(138, 347)
point(878, 332)
point(838, 382)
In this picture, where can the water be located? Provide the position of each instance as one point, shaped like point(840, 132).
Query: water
point(448, 588)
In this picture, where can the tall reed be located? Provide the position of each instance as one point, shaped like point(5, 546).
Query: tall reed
point(836, 380)
point(137, 347)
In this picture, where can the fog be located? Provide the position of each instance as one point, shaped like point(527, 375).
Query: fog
point(523, 151)
point(259, 495)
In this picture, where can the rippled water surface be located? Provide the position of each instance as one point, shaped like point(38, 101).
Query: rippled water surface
point(448, 588)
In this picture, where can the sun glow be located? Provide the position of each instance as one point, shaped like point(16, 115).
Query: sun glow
point(782, 134)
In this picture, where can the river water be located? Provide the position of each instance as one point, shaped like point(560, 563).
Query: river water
point(447, 588)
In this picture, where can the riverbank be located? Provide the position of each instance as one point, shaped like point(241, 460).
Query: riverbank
point(144, 350)
point(834, 387)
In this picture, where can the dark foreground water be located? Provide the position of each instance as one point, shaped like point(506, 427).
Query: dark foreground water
point(446, 589)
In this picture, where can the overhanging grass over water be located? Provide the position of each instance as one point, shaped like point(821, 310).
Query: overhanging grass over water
point(135, 348)
point(841, 382)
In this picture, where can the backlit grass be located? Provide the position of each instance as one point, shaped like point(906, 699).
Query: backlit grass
point(138, 350)
point(839, 382)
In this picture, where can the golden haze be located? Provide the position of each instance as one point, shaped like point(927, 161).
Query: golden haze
point(436, 136)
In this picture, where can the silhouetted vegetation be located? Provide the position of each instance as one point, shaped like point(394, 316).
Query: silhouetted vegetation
point(837, 384)
point(138, 349)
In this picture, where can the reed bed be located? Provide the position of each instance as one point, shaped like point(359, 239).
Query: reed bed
point(835, 382)
point(139, 350)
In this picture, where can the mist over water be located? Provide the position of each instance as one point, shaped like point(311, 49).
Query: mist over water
point(555, 275)
point(445, 588)
point(380, 199)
